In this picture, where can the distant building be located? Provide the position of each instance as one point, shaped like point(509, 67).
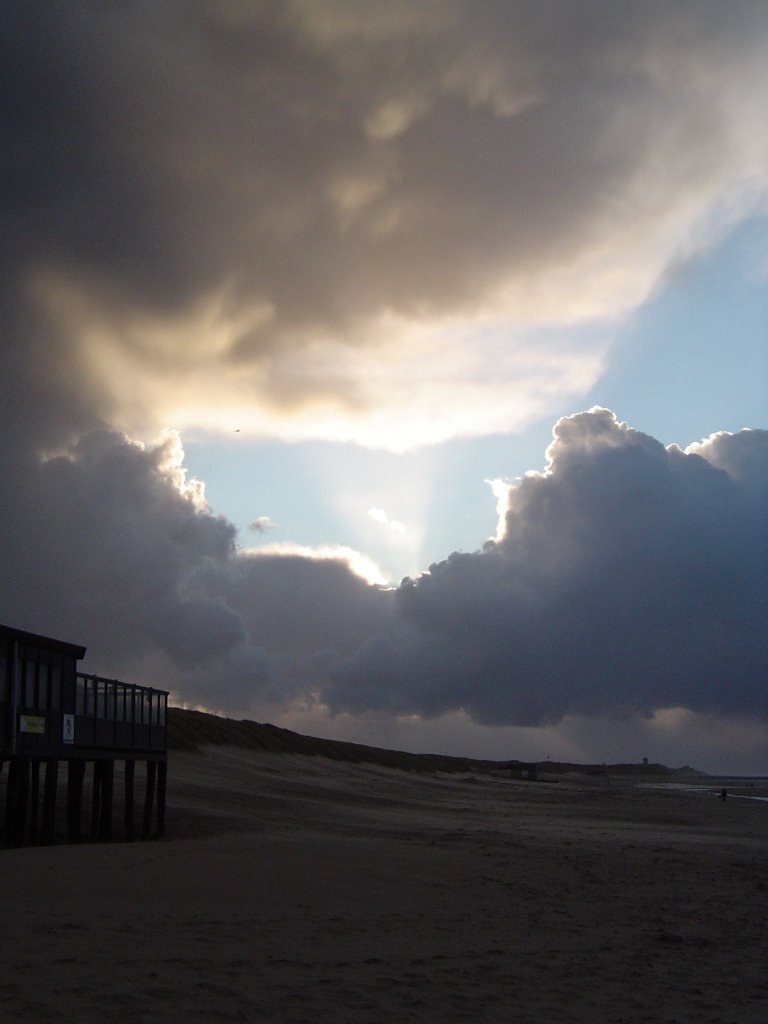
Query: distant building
point(51, 715)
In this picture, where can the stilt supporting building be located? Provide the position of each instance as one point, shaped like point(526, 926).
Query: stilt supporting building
point(63, 734)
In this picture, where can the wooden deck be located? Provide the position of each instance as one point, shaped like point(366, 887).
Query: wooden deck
point(62, 732)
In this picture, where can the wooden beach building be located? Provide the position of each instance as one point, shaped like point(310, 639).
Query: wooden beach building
point(63, 732)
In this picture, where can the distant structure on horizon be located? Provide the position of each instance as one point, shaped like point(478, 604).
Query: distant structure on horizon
point(52, 715)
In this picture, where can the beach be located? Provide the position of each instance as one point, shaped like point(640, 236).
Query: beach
point(298, 889)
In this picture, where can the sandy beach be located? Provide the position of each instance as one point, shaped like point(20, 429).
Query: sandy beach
point(297, 889)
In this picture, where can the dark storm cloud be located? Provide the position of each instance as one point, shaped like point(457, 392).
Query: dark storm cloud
point(300, 605)
point(101, 534)
point(630, 578)
point(308, 168)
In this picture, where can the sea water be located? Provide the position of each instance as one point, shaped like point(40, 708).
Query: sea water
point(737, 787)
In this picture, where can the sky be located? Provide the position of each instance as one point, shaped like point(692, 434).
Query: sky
point(396, 373)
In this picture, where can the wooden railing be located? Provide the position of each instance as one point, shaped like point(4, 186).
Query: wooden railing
point(113, 715)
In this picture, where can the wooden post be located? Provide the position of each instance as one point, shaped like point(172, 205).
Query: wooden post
point(23, 804)
point(75, 777)
point(49, 799)
point(17, 800)
point(162, 775)
point(11, 801)
point(130, 824)
point(95, 799)
point(105, 807)
point(34, 799)
point(149, 797)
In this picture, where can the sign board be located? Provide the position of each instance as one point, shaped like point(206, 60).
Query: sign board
point(67, 728)
point(34, 724)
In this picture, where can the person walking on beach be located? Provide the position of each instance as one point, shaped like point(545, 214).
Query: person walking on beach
point(723, 794)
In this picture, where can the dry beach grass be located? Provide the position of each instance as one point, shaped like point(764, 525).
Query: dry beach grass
point(295, 888)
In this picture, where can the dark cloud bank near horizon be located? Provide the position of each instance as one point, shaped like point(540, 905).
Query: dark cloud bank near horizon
point(630, 577)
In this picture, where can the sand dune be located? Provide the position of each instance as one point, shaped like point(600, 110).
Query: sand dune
point(299, 889)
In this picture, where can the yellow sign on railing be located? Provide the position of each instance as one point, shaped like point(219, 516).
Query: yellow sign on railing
point(34, 724)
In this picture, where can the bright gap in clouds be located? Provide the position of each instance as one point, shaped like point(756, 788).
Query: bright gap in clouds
point(696, 355)
point(694, 359)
